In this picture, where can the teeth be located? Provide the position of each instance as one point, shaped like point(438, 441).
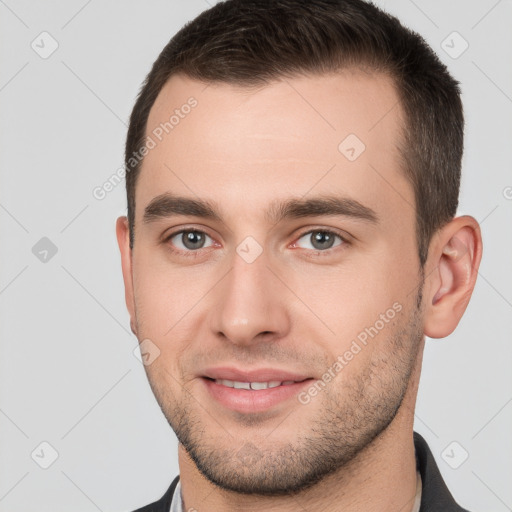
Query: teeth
point(253, 385)
point(242, 385)
point(259, 385)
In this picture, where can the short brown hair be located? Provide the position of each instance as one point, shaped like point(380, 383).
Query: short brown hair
point(252, 42)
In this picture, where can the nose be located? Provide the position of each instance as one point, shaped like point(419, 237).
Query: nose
point(251, 304)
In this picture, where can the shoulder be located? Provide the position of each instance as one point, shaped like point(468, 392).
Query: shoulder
point(164, 503)
point(435, 496)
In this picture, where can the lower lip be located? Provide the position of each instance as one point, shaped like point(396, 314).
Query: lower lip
point(247, 401)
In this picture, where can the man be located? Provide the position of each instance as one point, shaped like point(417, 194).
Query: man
point(293, 178)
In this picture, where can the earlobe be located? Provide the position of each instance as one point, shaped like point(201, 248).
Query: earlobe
point(123, 240)
point(455, 258)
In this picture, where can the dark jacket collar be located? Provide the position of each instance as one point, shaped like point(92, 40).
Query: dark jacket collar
point(435, 496)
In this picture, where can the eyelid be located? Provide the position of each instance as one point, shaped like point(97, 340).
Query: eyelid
point(177, 230)
point(166, 239)
point(345, 237)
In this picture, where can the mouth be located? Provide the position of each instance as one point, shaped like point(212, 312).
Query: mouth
point(252, 392)
point(253, 386)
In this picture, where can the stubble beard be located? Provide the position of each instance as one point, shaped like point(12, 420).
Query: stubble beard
point(348, 419)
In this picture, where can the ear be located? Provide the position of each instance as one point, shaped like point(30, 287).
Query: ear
point(454, 257)
point(123, 240)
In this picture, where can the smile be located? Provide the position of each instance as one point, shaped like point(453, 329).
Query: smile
point(253, 386)
point(255, 393)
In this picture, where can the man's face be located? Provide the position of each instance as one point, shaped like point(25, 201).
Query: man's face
point(252, 296)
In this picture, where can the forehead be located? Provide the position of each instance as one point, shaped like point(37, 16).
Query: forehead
point(336, 133)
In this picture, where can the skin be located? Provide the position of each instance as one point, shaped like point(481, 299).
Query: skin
point(294, 307)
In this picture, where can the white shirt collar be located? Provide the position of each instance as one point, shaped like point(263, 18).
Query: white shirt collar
point(176, 503)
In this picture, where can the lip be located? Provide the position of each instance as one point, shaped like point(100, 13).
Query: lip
point(257, 375)
point(253, 401)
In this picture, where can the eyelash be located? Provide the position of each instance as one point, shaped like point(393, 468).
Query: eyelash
point(318, 252)
point(327, 252)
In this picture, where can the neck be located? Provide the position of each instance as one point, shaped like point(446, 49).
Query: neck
point(381, 478)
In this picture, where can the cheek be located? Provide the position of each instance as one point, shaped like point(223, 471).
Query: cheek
point(362, 300)
point(355, 293)
point(161, 297)
point(156, 303)
point(164, 384)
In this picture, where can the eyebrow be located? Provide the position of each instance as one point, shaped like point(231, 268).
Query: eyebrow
point(167, 205)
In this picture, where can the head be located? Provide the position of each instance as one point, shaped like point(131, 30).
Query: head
point(293, 173)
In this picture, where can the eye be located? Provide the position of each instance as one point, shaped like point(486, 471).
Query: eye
point(190, 240)
point(319, 240)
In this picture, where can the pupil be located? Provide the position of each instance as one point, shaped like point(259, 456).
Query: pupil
point(193, 240)
point(322, 240)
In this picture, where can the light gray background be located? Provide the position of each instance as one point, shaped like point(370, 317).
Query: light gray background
point(68, 375)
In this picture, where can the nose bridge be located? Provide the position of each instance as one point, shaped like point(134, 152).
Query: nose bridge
point(248, 302)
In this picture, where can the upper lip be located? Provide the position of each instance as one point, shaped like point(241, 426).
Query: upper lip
point(257, 375)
